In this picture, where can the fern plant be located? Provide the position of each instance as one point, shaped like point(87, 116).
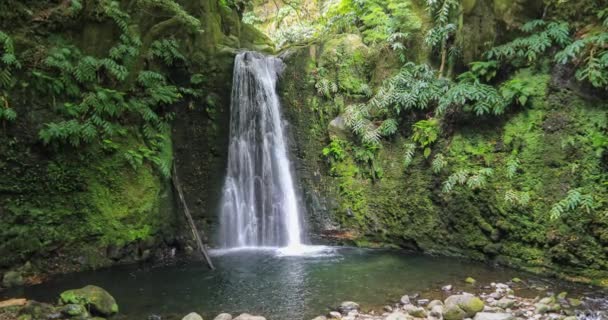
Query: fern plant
point(443, 28)
point(517, 198)
point(472, 96)
point(540, 37)
point(166, 50)
point(8, 64)
point(512, 167)
point(474, 180)
point(574, 199)
point(426, 132)
point(408, 154)
point(590, 55)
point(439, 162)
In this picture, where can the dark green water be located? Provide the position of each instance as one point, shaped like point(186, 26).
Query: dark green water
point(277, 287)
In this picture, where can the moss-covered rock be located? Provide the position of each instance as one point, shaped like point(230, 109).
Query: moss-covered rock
point(96, 299)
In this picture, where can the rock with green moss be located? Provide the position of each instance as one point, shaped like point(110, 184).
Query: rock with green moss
point(453, 312)
point(12, 279)
point(98, 300)
point(470, 280)
point(74, 310)
point(468, 303)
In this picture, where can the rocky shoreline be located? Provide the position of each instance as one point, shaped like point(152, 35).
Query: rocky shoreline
point(496, 301)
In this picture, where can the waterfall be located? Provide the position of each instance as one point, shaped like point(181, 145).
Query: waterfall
point(259, 204)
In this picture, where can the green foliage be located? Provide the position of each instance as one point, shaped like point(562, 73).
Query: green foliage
point(408, 154)
point(574, 200)
point(377, 20)
point(519, 91)
point(8, 65)
point(541, 36)
point(517, 198)
point(166, 50)
point(472, 179)
point(439, 162)
point(96, 100)
point(484, 70)
point(513, 165)
point(472, 96)
point(426, 132)
point(335, 150)
point(175, 10)
point(590, 55)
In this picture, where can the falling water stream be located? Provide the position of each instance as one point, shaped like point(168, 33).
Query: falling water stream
point(259, 204)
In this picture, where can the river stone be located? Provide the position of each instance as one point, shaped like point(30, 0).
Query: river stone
point(98, 300)
point(73, 310)
point(12, 279)
point(417, 312)
point(447, 287)
point(397, 316)
point(320, 318)
point(223, 316)
point(193, 316)
point(434, 303)
point(334, 315)
point(453, 312)
point(493, 316)
point(405, 300)
point(574, 302)
point(437, 311)
point(470, 280)
point(505, 303)
point(541, 308)
point(246, 316)
point(468, 303)
point(348, 306)
point(547, 300)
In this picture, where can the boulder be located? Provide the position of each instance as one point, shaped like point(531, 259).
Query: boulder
point(335, 315)
point(453, 312)
point(193, 316)
point(493, 316)
point(337, 128)
point(12, 279)
point(246, 316)
point(417, 312)
point(38, 310)
point(434, 303)
point(437, 311)
point(505, 303)
point(541, 308)
point(468, 303)
point(348, 306)
point(223, 316)
point(396, 316)
point(74, 310)
point(96, 299)
point(574, 302)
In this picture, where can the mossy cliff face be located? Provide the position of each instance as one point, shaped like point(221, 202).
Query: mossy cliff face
point(66, 208)
point(381, 202)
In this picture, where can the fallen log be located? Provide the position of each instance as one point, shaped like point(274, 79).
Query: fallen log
point(202, 248)
point(12, 303)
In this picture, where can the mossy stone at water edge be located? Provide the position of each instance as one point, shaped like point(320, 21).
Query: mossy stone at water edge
point(97, 299)
point(468, 303)
point(12, 279)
